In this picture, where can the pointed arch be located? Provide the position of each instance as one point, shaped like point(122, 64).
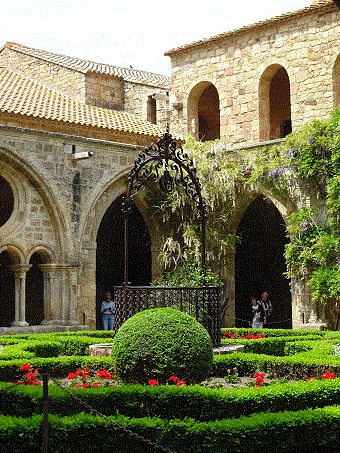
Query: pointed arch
point(259, 261)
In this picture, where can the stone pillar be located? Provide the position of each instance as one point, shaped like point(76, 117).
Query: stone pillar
point(20, 271)
point(71, 296)
point(60, 294)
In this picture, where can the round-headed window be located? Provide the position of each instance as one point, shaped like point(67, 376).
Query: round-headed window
point(6, 201)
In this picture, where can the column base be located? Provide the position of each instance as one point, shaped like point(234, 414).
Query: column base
point(19, 324)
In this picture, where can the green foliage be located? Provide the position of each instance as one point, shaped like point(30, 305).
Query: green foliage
point(189, 274)
point(218, 172)
point(159, 343)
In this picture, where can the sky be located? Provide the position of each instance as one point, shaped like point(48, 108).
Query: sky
point(135, 33)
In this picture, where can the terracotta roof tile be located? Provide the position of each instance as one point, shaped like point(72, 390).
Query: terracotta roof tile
point(307, 9)
point(84, 66)
point(23, 96)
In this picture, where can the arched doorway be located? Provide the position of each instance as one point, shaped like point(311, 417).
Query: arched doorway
point(204, 112)
point(260, 264)
point(274, 104)
point(35, 291)
point(7, 291)
point(110, 252)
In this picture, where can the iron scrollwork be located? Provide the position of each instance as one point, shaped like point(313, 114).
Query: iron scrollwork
point(167, 165)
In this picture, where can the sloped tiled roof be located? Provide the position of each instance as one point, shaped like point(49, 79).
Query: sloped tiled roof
point(23, 96)
point(307, 9)
point(84, 66)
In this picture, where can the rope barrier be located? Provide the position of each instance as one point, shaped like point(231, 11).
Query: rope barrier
point(126, 430)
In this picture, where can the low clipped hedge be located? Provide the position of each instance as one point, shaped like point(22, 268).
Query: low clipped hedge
point(302, 431)
point(172, 402)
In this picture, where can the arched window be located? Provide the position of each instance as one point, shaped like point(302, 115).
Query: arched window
point(336, 83)
point(204, 112)
point(274, 104)
point(35, 291)
point(6, 201)
point(152, 110)
point(7, 291)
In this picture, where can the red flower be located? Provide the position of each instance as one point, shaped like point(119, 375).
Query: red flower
point(79, 373)
point(87, 368)
point(223, 337)
point(226, 332)
point(30, 375)
point(27, 366)
point(257, 386)
point(86, 375)
point(95, 384)
point(102, 374)
point(232, 336)
point(85, 384)
point(258, 380)
point(258, 374)
point(153, 382)
point(71, 376)
point(173, 378)
point(76, 387)
point(310, 378)
point(36, 370)
point(328, 376)
point(241, 338)
point(181, 383)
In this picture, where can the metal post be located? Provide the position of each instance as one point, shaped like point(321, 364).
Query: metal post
point(45, 414)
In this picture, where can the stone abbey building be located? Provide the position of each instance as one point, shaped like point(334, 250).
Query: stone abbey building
point(70, 130)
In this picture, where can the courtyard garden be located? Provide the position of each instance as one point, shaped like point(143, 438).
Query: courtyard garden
point(280, 394)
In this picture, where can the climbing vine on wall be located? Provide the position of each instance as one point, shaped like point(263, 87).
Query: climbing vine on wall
point(306, 169)
point(303, 170)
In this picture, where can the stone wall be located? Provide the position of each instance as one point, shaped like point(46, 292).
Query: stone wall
point(57, 77)
point(242, 63)
point(136, 101)
point(59, 203)
point(104, 91)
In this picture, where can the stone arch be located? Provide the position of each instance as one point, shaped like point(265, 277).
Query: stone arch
point(18, 172)
point(105, 206)
point(37, 285)
point(259, 261)
point(274, 103)
point(9, 256)
point(336, 82)
point(203, 111)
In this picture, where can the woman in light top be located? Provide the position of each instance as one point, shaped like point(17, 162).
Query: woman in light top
point(108, 310)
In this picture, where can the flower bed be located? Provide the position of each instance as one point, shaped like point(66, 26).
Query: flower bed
point(220, 415)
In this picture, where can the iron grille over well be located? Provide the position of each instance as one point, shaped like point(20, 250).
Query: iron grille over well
point(166, 164)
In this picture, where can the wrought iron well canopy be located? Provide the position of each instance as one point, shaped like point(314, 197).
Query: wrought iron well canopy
point(166, 164)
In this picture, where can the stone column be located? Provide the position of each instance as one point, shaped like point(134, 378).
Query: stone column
point(20, 271)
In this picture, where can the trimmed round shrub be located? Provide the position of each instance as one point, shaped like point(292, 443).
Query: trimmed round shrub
point(160, 343)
